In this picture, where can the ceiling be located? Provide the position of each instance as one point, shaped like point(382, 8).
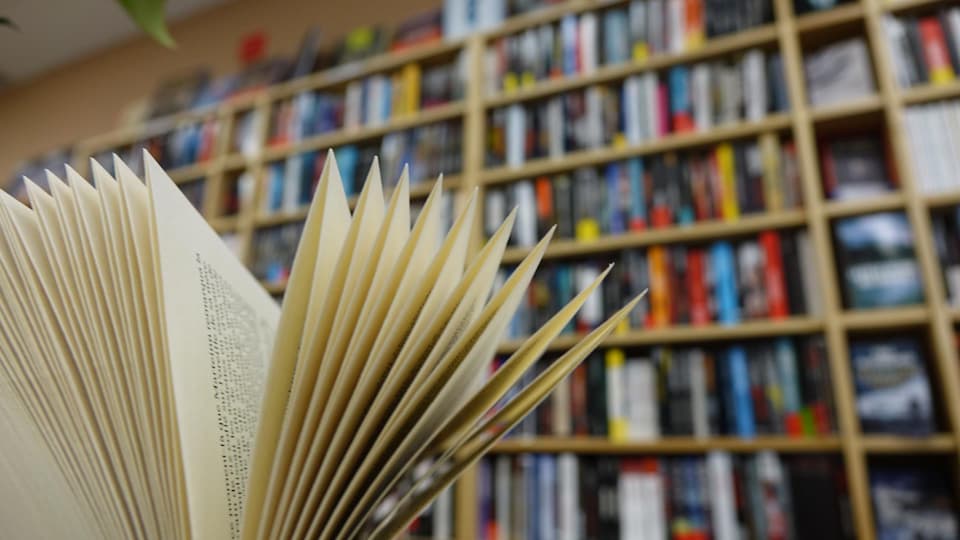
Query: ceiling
point(55, 32)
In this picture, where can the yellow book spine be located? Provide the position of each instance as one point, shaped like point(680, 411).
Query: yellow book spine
point(397, 101)
point(411, 87)
point(728, 182)
point(772, 179)
point(617, 424)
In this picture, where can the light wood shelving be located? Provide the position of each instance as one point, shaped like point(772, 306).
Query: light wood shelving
point(788, 34)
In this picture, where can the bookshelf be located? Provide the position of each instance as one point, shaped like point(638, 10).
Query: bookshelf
point(791, 35)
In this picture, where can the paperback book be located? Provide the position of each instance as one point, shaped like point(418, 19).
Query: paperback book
point(151, 388)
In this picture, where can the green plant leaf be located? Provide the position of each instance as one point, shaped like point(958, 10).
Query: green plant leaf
point(5, 21)
point(148, 14)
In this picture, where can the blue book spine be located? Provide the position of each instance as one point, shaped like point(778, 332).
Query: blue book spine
point(679, 91)
point(615, 218)
point(568, 28)
point(347, 157)
point(533, 495)
point(276, 186)
point(387, 102)
point(728, 310)
point(547, 475)
point(740, 390)
point(638, 206)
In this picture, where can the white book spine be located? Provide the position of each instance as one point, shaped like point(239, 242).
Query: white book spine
point(443, 515)
point(955, 144)
point(631, 109)
point(547, 478)
point(555, 121)
point(628, 517)
point(808, 275)
point(454, 18)
point(561, 409)
point(702, 102)
point(676, 25)
point(722, 507)
point(950, 140)
point(494, 210)
point(896, 34)
point(491, 13)
point(352, 104)
point(291, 183)
point(588, 42)
point(594, 117)
point(516, 134)
point(953, 22)
point(569, 495)
point(650, 504)
point(650, 93)
point(754, 85)
point(698, 393)
point(525, 231)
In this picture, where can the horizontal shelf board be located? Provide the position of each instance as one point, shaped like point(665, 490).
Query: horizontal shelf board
point(929, 92)
point(666, 445)
point(417, 191)
point(362, 68)
point(829, 17)
point(688, 334)
point(892, 444)
point(715, 47)
point(877, 203)
point(224, 224)
point(679, 141)
point(680, 233)
point(839, 111)
point(239, 161)
point(546, 15)
point(894, 6)
point(941, 200)
point(875, 319)
point(196, 171)
point(346, 136)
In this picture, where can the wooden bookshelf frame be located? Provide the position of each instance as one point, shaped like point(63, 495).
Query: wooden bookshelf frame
point(935, 316)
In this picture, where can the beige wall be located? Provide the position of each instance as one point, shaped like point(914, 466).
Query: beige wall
point(84, 98)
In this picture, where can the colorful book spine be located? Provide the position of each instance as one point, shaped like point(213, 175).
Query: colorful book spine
point(723, 263)
point(739, 379)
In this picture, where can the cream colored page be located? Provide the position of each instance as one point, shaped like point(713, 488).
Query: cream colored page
point(220, 327)
point(325, 231)
point(420, 414)
point(400, 282)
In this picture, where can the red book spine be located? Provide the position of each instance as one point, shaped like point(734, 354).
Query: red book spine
point(696, 284)
point(578, 400)
point(773, 273)
point(663, 110)
point(716, 186)
point(829, 172)
point(935, 50)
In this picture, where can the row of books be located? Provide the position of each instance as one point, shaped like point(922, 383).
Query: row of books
point(274, 247)
point(370, 101)
point(778, 387)
point(839, 72)
point(427, 150)
point(580, 43)
point(717, 495)
point(933, 134)
point(946, 237)
point(856, 165)
point(768, 276)
point(644, 107)
point(925, 49)
point(719, 183)
point(185, 145)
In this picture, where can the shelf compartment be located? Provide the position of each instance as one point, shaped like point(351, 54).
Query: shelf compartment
point(583, 158)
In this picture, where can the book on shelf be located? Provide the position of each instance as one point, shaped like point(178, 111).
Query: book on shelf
point(892, 385)
point(855, 166)
point(775, 387)
point(933, 136)
point(925, 49)
point(717, 495)
point(234, 422)
point(580, 43)
point(839, 72)
point(946, 239)
point(722, 282)
point(876, 261)
point(913, 502)
point(640, 109)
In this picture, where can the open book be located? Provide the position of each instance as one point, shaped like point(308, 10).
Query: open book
point(150, 387)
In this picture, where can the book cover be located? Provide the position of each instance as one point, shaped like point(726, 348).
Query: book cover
point(893, 388)
point(913, 503)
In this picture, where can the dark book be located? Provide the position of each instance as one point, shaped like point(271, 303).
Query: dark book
point(589, 496)
point(913, 503)
point(876, 259)
point(596, 395)
point(792, 277)
point(818, 504)
point(608, 476)
point(417, 30)
point(854, 167)
point(893, 389)
point(563, 201)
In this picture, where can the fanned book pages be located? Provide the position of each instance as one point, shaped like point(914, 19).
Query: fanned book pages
point(152, 389)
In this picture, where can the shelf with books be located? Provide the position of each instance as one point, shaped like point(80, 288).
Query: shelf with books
point(893, 444)
point(877, 203)
point(885, 318)
point(151, 128)
point(704, 230)
point(666, 445)
point(691, 334)
point(828, 18)
point(341, 137)
point(417, 191)
point(547, 14)
point(929, 92)
point(356, 70)
point(762, 36)
point(848, 109)
point(583, 158)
